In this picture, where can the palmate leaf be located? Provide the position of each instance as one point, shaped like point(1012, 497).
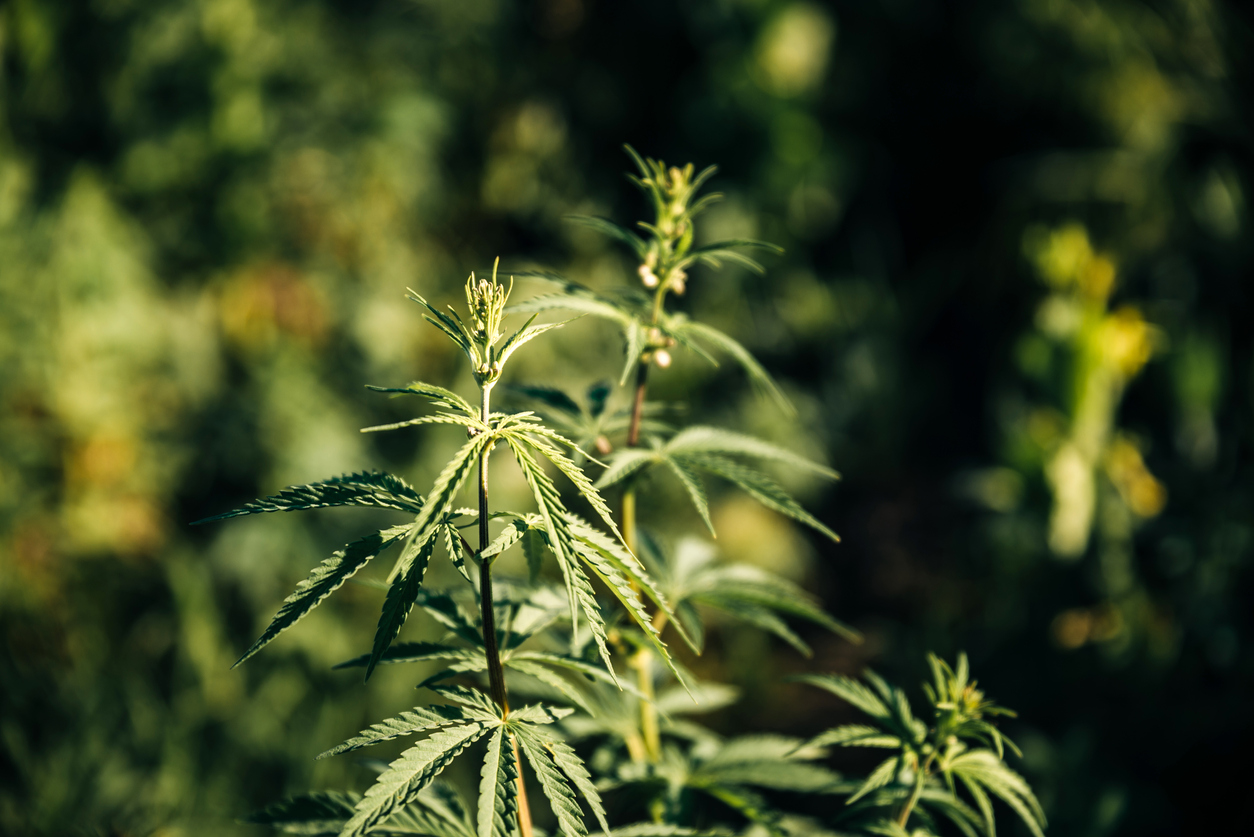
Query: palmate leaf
point(372, 488)
point(312, 813)
point(402, 593)
point(758, 486)
point(409, 722)
point(715, 440)
point(439, 396)
point(851, 691)
point(688, 332)
point(624, 463)
point(444, 492)
point(417, 652)
point(326, 578)
point(561, 542)
point(983, 769)
point(554, 784)
point(613, 230)
point(498, 788)
point(691, 482)
point(409, 774)
point(880, 776)
point(573, 297)
point(856, 735)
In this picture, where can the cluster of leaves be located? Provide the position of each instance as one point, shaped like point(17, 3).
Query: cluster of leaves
point(644, 747)
point(920, 781)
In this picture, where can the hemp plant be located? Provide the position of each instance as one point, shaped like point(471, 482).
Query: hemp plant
point(669, 776)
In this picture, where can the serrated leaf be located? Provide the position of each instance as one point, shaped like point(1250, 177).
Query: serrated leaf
point(561, 542)
point(444, 492)
point(533, 546)
point(758, 486)
point(633, 348)
point(613, 230)
point(702, 439)
point(849, 690)
point(473, 699)
point(623, 463)
point(575, 297)
point(498, 788)
point(549, 396)
point(855, 735)
point(691, 481)
point(880, 776)
point(439, 396)
point(757, 374)
point(570, 764)
point(553, 783)
point(311, 814)
point(326, 578)
point(550, 678)
point(373, 488)
point(415, 652)
point(409, 722)
point(409, 774)
point(401, 595)
point(525, 335)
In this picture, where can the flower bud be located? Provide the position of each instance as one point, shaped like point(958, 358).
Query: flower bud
point(647, 276)
point(662, 358)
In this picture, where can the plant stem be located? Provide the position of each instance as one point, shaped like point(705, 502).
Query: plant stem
point(920, 778)
point(496, 672)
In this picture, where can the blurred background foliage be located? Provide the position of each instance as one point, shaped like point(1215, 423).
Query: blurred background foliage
point(1010, 311)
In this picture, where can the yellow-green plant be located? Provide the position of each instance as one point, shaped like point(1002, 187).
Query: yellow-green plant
point(643, 742)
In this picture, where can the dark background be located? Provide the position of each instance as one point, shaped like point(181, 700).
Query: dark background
point(1016, 236)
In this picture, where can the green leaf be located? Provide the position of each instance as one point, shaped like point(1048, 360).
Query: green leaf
point(575, 297)
point(608, 227)
point(548, 396)
point(533, 546)
point(401, 595)
point(498, 788)
point(409, 774)
point(702, 439)
point(758, 486)
point(576, 475)
point(985, 768)
point(439, 396)
point(476, 701)
point(757, 374)
point(442, 495)
point(561, 541)
point(415, 652)
point(372, 488)
point(409, 722)
point(634, 337)
point(627, 596)
point(553, 783)
point(879, 777)
point(570, 764)
point(312, 813)
point(696, 491)
point(849, 690)
point(624, 463)
point(525, 335)
point(855, 735)
point(550, 678)
point(326, 578)
point(439, 418)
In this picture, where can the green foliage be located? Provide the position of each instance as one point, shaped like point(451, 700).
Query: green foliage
point(647, 748)
point(955, 748)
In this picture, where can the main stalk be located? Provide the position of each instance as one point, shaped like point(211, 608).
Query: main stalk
point(496, 672)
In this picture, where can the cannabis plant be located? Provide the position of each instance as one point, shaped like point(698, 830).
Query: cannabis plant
point(637, 736)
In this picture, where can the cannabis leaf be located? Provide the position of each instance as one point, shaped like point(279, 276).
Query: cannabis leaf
point(711, 450)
